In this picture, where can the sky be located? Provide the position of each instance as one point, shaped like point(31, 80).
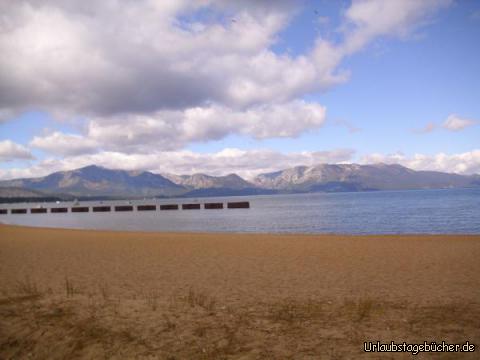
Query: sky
point(211, 86)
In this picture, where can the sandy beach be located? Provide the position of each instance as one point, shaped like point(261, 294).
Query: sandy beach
point(105, 294)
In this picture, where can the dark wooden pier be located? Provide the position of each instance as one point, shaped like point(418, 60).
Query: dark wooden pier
point(80, 209)
point(38, 211)
point(169, 207)
point(210, 206)
point(238, 205)
point(101, 209)
point(124, 208)
point(18, 211)
point(146, 207)
point(190, 206)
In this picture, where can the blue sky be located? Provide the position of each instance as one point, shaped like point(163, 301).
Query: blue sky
point(220, 97)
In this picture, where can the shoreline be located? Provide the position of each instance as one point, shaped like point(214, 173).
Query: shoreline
point(396, 235)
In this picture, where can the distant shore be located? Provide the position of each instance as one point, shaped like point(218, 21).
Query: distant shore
point(82, 293)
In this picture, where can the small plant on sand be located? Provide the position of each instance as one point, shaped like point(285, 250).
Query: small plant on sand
point(230, 340)
point(115, 303)
point(361, 309)
point(92, 308)
point(169, 324)
point(152, 299)
point(104, 291)
point(201, 299)
point(287, 311)
point(69, 288)
point(200, 330)
point(365, 308)
point(27, 287)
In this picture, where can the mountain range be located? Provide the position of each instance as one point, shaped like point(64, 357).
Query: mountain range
point(96, 181)
point(354, 177)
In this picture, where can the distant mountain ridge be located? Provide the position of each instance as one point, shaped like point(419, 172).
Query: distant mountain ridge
point(98, 181)
point(203, 181)
point(354, 177)
point(95, 181)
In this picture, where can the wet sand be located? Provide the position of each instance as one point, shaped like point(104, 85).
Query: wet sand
point(106, 294)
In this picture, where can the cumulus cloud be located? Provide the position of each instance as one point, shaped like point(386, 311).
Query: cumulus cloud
point(173, 129)
point(368, 19)
point(456, 123)
point(109, 58)
point(452, 123)
point(64, 144)
point(463, 163)
point(246, 163)
point(11, 151)
point(104, 58)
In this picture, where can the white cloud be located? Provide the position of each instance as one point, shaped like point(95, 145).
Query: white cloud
point(64, 144)
point(173, 129)
point(103, 58)
point(456, 123)
point(107, 58)
point(11, 151)
point(247, 163)
point(463, 163)
point(452, 123)
point(368, 19)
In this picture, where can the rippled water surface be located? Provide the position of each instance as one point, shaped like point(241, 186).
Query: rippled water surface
point(386, 212)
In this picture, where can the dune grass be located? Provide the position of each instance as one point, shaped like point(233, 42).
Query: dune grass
point(195, 324)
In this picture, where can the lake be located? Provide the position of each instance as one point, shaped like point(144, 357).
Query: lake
point(453, 211)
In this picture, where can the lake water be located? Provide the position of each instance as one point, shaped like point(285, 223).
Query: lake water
point(455, 211)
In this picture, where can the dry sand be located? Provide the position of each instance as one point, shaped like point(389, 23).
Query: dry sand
point(69, 294)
